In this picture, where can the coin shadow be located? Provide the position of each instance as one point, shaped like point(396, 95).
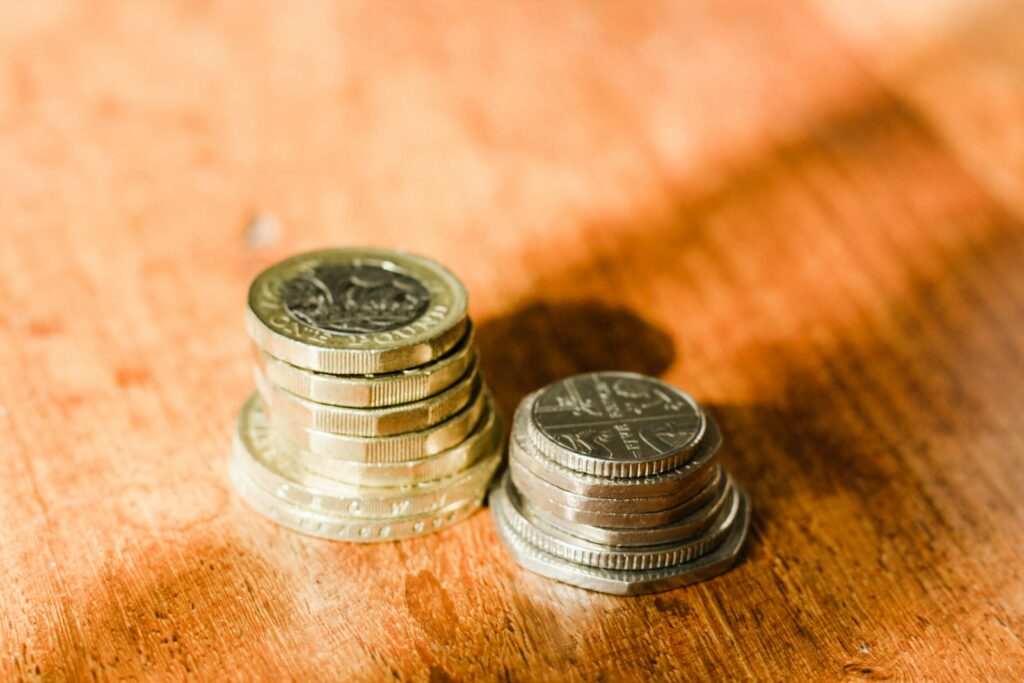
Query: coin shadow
point(543, 341)
point(800, 449)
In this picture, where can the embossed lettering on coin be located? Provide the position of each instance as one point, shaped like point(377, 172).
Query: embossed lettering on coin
point(354, 298)
point(617, 416)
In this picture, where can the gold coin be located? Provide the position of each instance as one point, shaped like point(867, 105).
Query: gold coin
point(482, 441)
point(356, 311)
point(389, 449)
point(352, 529)
point(385, 421)
point(281, 475)
point(371, 391)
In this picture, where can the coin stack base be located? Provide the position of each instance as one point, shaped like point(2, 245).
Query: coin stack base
point(370, 421)
point(614, 486)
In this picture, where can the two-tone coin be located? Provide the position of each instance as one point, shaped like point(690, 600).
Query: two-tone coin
point(379, 421)
point(356, 311)
point(257, 453)
point(371, 420)
point(396, 448)
point(371, 391)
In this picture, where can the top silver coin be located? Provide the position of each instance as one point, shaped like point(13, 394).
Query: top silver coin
point(356, 311)
point(614, 424)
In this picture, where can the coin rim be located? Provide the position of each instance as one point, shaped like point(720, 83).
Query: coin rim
point(618, 582)
point(380, 421)
point(330, 497)
point(611, 468)
point(372, 391)
point(319, 350)
point(601, 556)
point(691, 525)
point(484, 440)
point(630, 520)
point(702, 457)
point(404, 447)
point(526, 479)
point(296, 519)
point(484, 437)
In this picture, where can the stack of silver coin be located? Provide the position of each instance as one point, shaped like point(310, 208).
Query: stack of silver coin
point(371, 421)
point(613, 485)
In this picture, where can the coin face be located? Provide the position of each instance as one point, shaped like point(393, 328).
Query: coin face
point(687, 476)
point(612, 422)
point(353, 298)
point(617, 416)
point(353, 311)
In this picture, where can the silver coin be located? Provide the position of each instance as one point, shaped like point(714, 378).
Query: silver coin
point(256, 453)
point(388, 449)
point(614, 424)
point(625, 519)
point(625, 582)
point(384, 421)
point(340, 528)
point(677, 483)
point(535, 487)
point(553, 540)
point(692, 525)
point(370, 391)
point(356, 311)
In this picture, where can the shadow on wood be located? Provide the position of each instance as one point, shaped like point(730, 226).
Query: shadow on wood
point(544, 341)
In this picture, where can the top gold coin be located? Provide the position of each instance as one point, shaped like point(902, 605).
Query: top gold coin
point(356, 311)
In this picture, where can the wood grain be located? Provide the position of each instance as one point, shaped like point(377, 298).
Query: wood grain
point(806, 214)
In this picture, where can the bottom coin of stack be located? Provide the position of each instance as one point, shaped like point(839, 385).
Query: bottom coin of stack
point(371, 421)
point(280, 484)
point(614, 485)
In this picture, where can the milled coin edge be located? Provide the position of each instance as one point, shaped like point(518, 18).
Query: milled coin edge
point(629, 582)
point(702, 457)
point(602, 467)
point(372, 391)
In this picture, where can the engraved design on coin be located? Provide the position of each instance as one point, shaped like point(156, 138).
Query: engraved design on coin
point(413, 308)
point(617, 416)
point(354, 298)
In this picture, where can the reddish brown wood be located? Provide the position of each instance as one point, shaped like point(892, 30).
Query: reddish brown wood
point(806, 214)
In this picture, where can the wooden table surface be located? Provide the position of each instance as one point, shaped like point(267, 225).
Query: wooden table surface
point(807, 214)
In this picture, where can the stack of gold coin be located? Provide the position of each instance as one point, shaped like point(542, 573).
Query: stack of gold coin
point(614, 485)
point(370, 421)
